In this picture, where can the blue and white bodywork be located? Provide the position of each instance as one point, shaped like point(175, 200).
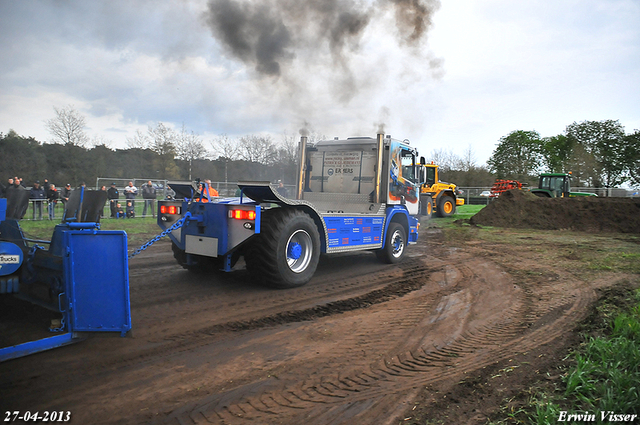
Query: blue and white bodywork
point(352, 195)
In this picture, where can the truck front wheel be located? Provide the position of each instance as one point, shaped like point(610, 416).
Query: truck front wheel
point(286, 253)
point(394, 246)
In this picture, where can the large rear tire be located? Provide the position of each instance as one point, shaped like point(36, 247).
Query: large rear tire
point(395, 245)
point(286, 252)
point(446, 206)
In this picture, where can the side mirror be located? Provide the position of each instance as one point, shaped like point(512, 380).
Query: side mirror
point(422, 161)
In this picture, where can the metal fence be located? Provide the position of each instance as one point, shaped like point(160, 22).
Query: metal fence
point(479, 195)
point(55, 211)
point(162, 191)
point(472, 196)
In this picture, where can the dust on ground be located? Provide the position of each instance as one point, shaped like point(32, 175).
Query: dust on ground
point(522, 209)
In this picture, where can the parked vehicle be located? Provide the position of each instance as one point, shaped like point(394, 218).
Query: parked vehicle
point(445, 197)
point(556, 185)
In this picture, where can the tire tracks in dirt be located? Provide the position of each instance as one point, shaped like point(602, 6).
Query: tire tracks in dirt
point(531, 317)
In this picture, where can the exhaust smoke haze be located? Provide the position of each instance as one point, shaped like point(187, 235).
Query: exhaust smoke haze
point(268, 34)
point(308, 55)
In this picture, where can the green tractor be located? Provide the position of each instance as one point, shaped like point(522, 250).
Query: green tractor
point(556, 185)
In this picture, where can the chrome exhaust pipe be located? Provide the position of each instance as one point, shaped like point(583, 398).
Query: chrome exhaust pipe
point(378, 183)
point(302, 166)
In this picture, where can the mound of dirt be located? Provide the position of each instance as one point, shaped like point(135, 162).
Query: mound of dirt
point(520, 209)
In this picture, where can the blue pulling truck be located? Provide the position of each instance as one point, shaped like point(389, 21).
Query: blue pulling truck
point(352, 194)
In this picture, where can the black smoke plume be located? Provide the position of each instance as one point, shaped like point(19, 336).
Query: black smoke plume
point(269, 34)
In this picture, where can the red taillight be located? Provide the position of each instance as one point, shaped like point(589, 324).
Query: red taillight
point(169, 209)
point(242, 214)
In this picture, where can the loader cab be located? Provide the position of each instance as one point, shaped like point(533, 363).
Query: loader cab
point(428, 174)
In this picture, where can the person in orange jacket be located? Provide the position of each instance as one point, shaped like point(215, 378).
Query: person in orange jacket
point(207, 186)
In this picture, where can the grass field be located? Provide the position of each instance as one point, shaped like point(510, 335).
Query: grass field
point(604, 372)
point(139, 230)
point(462, 212)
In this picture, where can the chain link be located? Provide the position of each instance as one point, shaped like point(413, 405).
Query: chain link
point(178, 224)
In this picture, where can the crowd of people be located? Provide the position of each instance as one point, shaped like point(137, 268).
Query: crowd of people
point(39, 194)
point(116, 209)
point(47, 194)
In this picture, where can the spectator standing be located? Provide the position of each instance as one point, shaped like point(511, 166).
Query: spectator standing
point(104, 189)
point(14, 185)
point(130, 193)
point(46, 186)
point(149, 196)
point(113, 195)
point(37, 196)
point(64, 195)
point(281, 189)
point(52, 197)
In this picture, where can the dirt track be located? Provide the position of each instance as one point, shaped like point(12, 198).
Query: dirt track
point(358, 344)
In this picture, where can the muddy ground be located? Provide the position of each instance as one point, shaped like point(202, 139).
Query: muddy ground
point(456, 334)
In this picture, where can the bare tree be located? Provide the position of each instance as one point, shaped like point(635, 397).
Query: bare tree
point(226, 148)
point(288, 148)
point(162, 140)
point(189, 147)
point(67, 127)
point(447, 160)
point(257, 149)
point(138, 141)
point(467, 162)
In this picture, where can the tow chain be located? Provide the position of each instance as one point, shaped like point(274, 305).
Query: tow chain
point(178, 224)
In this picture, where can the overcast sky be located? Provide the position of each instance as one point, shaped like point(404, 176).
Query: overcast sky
point(446, 75)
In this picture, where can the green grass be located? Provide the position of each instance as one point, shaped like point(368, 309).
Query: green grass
point(139, 230)
point(605, 375)
point(462, 212)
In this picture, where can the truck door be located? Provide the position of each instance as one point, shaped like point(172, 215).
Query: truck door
point(403, 177)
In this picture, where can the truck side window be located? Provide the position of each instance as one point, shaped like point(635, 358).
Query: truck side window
point(408, 165)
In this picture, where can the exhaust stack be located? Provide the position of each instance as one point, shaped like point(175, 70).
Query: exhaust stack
point(302, 166)
point(380, 146)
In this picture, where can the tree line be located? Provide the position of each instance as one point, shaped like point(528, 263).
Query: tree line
point(160, 153)
point(598, 153)
point(33, 160)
